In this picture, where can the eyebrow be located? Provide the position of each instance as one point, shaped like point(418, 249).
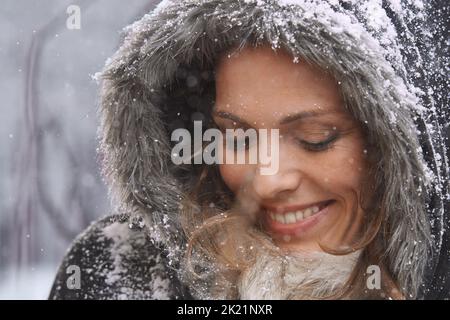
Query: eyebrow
point(303, 115)
point(285, 120)
point(230, 116)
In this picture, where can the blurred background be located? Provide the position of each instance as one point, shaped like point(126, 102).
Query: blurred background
point(50, 187)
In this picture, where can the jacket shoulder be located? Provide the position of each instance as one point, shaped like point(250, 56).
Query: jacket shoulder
point(109, 260)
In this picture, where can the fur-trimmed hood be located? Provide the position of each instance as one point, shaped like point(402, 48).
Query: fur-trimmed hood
point(380, 53)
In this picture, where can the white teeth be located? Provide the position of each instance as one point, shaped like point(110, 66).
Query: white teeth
point(280, 218)
point(307, 212)
point(295, 216)
point(290, 217)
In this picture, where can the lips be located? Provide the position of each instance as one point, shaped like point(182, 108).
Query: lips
point(295, 220)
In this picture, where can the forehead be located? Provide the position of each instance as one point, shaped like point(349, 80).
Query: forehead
point(259, 84)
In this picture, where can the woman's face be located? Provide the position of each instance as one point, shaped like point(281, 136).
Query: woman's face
point(313, 196)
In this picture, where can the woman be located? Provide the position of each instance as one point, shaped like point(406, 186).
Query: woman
point(356, 206)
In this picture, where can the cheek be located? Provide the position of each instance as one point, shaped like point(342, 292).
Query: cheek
point(233, 175)
point(342, 172)
point(346, 170)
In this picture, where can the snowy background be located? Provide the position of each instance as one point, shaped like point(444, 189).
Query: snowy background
point(50, 187)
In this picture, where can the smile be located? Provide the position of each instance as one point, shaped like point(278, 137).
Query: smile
point(295, 220)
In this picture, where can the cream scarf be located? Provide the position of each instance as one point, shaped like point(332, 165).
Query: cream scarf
point(306, 275)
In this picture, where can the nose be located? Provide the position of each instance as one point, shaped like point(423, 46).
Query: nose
point(277, 185)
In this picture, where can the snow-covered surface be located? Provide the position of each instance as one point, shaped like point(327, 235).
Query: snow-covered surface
point(122, 247)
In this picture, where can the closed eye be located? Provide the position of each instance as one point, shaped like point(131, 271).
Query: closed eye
point(318, 146)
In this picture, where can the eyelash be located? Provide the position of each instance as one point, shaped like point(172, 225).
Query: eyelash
point(318, 146)
point(310, 146)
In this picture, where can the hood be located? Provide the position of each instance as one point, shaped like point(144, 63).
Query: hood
point(380, 52)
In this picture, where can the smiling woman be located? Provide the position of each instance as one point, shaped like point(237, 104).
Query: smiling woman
point(357, 206)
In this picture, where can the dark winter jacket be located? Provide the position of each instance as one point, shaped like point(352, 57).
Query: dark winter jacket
point(116, 261)
point(381, 53)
